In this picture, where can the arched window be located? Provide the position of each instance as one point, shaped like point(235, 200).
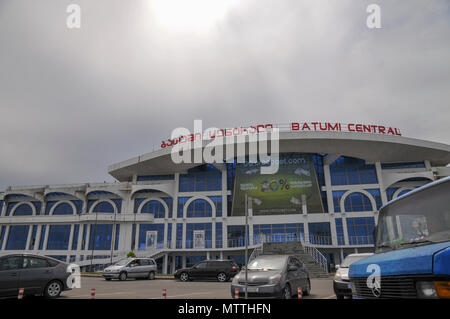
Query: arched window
point(199, 208)
point(63, 209)
point(103, 207)
point(23, 210)
point(357, 202)
point(154, 207)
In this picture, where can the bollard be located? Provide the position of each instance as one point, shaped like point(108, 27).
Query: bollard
point(20, 295)
point(236, 293)
point(164, 293)
point(92, 293)
point(300, 293)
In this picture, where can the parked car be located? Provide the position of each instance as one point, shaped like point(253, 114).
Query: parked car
point(273, 276)
point(222, 270)
point(37, 275)
point(131, 268)
point(341, 282)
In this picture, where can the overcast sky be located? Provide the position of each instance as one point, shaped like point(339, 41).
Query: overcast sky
point(74, 101)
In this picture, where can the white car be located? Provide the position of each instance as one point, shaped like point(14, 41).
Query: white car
point(131, 268)
point(341, 283)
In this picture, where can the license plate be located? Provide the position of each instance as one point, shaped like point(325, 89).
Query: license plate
point(252, 289)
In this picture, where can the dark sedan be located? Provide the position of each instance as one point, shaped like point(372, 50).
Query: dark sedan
point(273, 276)
point(37, 275)
point(221, 270)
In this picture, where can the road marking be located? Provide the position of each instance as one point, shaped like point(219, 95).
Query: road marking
point(175, 296)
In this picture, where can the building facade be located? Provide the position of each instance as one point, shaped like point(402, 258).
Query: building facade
point(181, 214)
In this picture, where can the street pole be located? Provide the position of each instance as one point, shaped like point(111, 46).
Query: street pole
point(246, 246)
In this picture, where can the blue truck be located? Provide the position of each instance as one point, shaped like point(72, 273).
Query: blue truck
point(412, 248)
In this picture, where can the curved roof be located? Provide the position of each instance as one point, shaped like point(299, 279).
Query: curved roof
point(370, 147)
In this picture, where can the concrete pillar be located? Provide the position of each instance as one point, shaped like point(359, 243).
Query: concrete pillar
point(165, 264)
point(183, 261)
point(88, 236)
point(380, 182)
point(166, 235)
point(38, 237)
point(184, 234)
point(224, 234)
point(47, 230)
point(208, 255)
point(221, 254)
point(136, 237)
point(30, 231)
point(3, 211)
point(213, 234)
point(344, 229)
point(306, 231)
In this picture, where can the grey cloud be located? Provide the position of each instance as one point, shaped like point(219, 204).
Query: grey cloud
point(74, 101)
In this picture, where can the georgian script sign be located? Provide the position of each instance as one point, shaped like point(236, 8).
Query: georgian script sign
point(213, 133)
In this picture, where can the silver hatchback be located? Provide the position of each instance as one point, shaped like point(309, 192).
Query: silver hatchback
point(131, 268)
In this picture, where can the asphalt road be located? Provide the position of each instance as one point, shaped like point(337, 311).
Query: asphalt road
point(152, 289)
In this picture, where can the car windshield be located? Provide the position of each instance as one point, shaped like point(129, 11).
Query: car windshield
point(350, 260)
point(265, 263)
point(122, 262)
point(420, 219)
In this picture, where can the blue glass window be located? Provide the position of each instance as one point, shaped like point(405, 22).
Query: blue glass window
point(23, 210)
point(103, 207)
point(76, 230)
point(357, 202)
point(179, 239)
point(320, 233)
point(337, 195)
point(41, 239)
point(403, 165)
point(116, 240)
point(2, 235)
point(278, 233)
point(155, 178)
point(154, 207)
point(340, 232)
point(58, 237)
point(17, 237)
point(181, 202)
point(100, 235)
point(360, 230)
point(169, 235)
point(199, 208)
point(218, 203)
point(33, 237)
point(231, 175)
point(219, 235)
point(236, 235)
point(202, 178)
point(352, 171)
point(63, 209)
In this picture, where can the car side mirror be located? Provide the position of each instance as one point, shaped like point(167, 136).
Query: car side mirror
point(292, 268)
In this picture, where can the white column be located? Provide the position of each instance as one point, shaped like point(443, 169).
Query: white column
point(306, 230)
point(174, 235)
point(165, 263)
point(380, 182)
point(166, 230)
point(30, 231)
point(344, 229)
point(208, 255)
point(330, 203)
point(184, 234)
point(47, 230)
point(224, 234)
point(183, 262)
point(38, 237)
point(3, 211)
point(136, 237)
point(88, 236)
point(213, 234)
point(72, 230)
point(5, 237)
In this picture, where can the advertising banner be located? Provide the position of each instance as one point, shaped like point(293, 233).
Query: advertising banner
point(199, 239)
point(292, 189)
point(151, 239)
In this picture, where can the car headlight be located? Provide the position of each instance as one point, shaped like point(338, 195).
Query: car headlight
point(275, 279)
point(426, 289)
point(337, 276)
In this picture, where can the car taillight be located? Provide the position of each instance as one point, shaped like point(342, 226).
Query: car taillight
point(234, 268)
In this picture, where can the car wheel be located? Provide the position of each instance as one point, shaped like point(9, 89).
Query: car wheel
point(184, 276)
point(151, 275)
point(286, 293)
point(123, 276)
point(222, 277)
point(53, 289)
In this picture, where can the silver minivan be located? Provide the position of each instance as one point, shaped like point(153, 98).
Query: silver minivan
point(131, 268)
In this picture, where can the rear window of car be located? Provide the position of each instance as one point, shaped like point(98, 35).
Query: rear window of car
point(35, 262)
point(52, 263)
